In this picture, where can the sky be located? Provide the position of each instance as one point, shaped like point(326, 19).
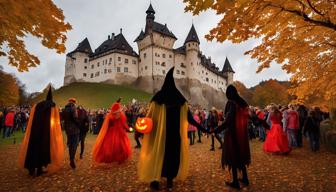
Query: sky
point(100, 18)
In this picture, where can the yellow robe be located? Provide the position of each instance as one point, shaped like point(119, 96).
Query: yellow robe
point(153, 147)
point(56, 141)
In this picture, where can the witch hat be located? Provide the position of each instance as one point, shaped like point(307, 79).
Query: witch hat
point(169, 94)
point(49, 95)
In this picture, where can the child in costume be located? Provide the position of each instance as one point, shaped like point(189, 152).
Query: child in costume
point(42, 145)
point(113, 144)
point(164, 152)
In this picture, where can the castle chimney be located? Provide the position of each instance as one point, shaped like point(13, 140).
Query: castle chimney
point(112, 36)
point(120, 30)
point(108, 37)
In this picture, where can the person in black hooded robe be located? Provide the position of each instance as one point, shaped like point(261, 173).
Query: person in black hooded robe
point(236, 150)
point(173, 100)
point(36, 150)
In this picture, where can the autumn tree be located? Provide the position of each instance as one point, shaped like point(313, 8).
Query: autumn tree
point(38, 18)
point(10, 91)
point(243, 91)
point(270, 91)
point(298, 34)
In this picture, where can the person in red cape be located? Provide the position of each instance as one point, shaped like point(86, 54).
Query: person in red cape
point(112, 143)
point(236, 149)
point(276, 139)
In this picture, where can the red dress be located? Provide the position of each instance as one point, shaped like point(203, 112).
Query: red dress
point(276, 140)
point(112, 144)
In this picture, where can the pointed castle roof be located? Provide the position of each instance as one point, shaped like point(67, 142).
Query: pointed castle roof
point(83, 47)
point(227, 66)
point(150, 9)
point(192, 35)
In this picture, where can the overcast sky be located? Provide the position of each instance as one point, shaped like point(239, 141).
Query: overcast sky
point(97, 19)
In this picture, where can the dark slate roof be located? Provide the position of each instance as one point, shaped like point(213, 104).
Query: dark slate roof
point(83, 47)
point(162, 29)
point(116, 44)
point(140, 37)
point(181, 50)
point(192, 36)
point(206, 62)
point(227, 66)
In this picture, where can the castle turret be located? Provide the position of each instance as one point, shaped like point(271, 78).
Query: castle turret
point(149, 19)
point(76, 62)
point(228, 71)
point(192, 50)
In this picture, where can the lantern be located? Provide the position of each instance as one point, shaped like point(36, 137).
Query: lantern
point(144, 125)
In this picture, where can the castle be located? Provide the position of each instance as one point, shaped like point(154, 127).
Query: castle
point(115, 61)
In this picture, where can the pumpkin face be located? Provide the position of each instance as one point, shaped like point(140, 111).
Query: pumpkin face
point(144, 125)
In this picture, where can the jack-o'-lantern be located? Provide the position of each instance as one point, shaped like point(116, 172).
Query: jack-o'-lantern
point(144, 125)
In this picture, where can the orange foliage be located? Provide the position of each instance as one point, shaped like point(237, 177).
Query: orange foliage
point(41, 19)
point(298, 34)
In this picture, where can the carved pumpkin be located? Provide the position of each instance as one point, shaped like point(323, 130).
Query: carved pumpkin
point(144, 125)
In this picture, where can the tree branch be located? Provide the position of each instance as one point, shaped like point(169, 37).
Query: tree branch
point(314, 8)
point(327, 23)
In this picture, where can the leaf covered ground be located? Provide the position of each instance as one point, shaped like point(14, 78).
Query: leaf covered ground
point(301, 170)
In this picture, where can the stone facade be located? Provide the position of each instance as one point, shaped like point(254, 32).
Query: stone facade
point(114, 61)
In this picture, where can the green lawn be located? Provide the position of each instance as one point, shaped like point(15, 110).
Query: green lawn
point(96, 95)
point(16, 138)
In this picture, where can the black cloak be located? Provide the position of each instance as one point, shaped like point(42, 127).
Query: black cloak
point(38, 151)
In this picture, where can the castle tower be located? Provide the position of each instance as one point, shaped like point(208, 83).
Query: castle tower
point(192, 50)
point(149, 19)
point(228, 72)
point(76, 63)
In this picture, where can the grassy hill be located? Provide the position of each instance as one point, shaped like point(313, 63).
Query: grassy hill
point(95, 95)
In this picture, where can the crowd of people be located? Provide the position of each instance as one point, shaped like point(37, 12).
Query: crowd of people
point(164, 151)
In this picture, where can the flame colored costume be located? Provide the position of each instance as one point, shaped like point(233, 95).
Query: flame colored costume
point(112, 143)
point(42, 145)
point(164, 152)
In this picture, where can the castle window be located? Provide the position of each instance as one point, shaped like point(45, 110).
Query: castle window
point(141, 69)
point(178, 72)
point(85, 60)
point(163, 72)
point(193, 44)
point(145, 67)
point(85, 67)
point(206, 73)
point(183, 66)
point(126, 70)
point(207, 79)
point(98, 64)
point(91, 75)
point(109, 71)
point(110, 61)
point(182, 72)
point(188, 45)
point(134, 61)
point(170, 56)
point(215, 81)
point(118, 69)
point(92, 66)
point(202, 72)
point(97, 74)
point(105, 61)
point(163, 64)
point(119, 58)
point(126, 60)
point(163, 55)
point(144, 55)
point(105, 71)
point(191, 63)
point(84, 74)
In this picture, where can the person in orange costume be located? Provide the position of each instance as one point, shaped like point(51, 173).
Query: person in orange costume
point(112, 143)
point(42, 145)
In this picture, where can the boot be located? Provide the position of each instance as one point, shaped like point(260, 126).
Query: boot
point(233, 184)
point(155, 186)
point(170, 184)
point(72, 164)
